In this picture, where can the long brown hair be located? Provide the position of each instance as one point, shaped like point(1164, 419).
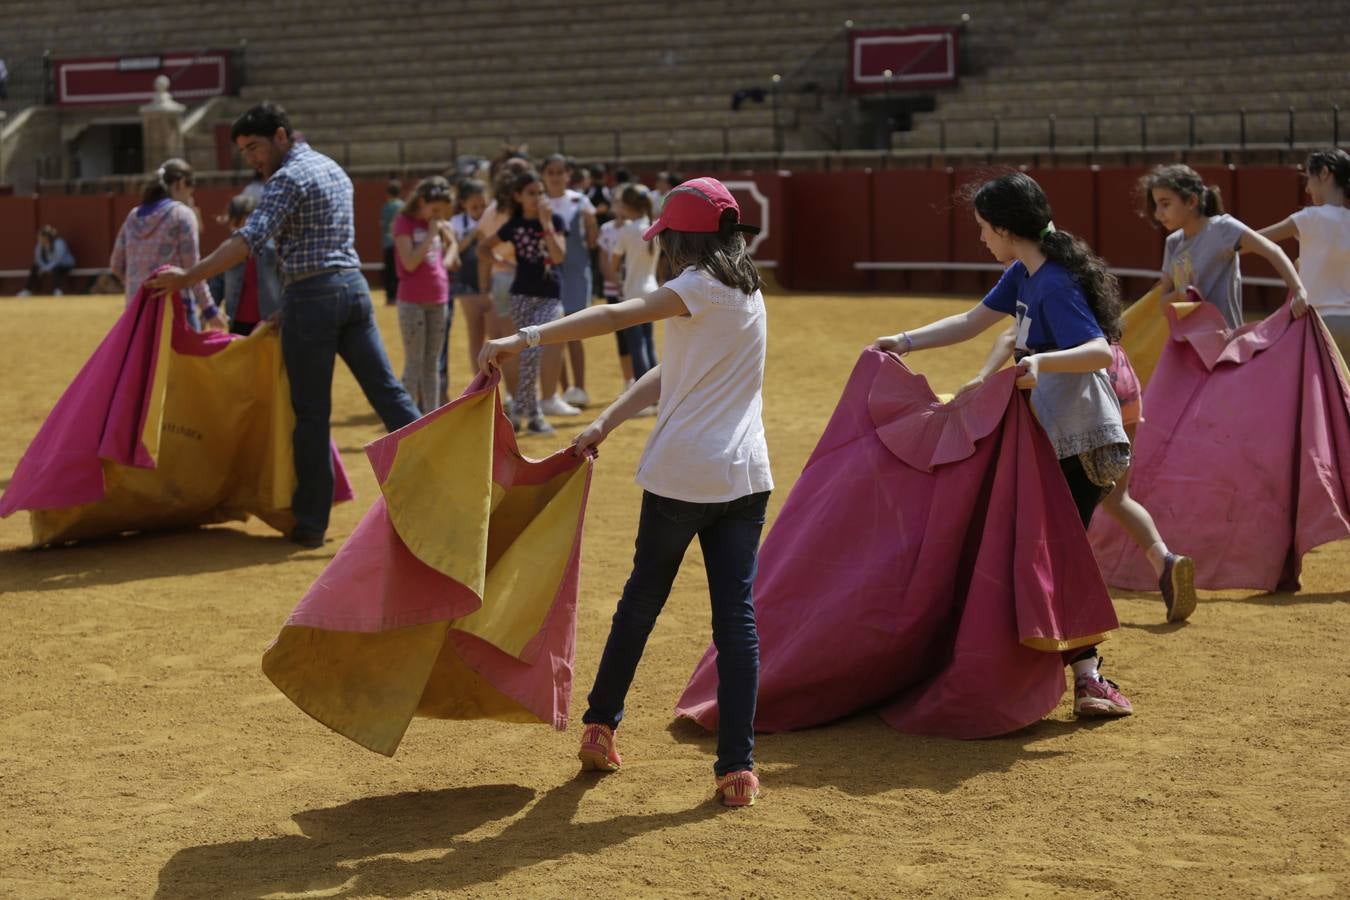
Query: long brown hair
point(723, 254)
point(1015, 202)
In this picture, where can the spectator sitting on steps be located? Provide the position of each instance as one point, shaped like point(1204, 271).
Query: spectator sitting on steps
point(51, 257)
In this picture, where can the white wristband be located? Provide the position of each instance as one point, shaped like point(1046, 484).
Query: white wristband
point(531, 335)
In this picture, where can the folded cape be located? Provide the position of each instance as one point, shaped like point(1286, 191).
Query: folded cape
point(928, 560)
point(164, 427)
point(1244, 456)
point(455, 598)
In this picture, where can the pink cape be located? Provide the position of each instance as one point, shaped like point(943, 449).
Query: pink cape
point(455, 597)
point(929, 560)
point(1243, 456)
point(110, 415)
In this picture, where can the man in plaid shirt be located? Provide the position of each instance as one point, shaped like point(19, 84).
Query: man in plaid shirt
point(306, 206)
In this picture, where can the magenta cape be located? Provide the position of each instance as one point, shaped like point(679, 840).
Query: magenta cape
point(164, 427)
point(1243, 456)
point(929, 560)
point(455, 597)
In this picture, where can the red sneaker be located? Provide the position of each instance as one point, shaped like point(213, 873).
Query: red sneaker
point(598, 752)
point(738, 788)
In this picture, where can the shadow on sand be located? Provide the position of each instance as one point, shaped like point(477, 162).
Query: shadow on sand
point(861, 755)
point(137, 557)
point(347, 850)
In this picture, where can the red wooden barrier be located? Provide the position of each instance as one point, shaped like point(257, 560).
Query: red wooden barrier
point(18, 232)
point(911, 222)
point(86, 223)
point(1265, 196)
point(820, 223)
point(830, 228)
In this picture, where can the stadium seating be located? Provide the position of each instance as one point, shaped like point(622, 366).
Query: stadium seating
point(419, 83)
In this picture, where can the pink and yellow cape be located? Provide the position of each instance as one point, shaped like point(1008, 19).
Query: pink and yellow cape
point(164, 427)
point(455, 597)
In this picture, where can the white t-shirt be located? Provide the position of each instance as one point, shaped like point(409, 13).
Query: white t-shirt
point(1324, 256)
point(639, 274)
point(708, 443)
point(461, 224)
point(608, 240)
point(569, 204)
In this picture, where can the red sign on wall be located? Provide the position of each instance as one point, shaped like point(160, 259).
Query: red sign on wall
point(131, 79)
point(915, 57)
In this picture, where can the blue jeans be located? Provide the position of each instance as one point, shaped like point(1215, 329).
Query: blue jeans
point(641, 348)
point(324, 317)
point(729, 535)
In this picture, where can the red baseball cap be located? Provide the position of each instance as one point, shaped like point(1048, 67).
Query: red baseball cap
point(697, 206)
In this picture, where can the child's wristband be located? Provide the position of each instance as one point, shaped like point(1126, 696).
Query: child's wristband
point(210, 310)
point(909, 342)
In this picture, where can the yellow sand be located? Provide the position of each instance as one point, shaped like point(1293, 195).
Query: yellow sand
point(143, 753)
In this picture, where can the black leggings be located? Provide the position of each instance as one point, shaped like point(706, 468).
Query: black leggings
point(1086, 496)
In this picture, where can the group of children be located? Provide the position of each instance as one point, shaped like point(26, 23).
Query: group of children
point(705, 467)
point(518, 257)
point(522, 251)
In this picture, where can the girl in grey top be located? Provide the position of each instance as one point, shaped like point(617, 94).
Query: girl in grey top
point(1203, 245)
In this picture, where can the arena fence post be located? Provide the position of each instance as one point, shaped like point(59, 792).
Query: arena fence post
point(1051, 143)
point(996, 134)
point(1335, 125)
point(1190, 128)
point(1291, 128)
point(1096, 131)
point(777, 128)
point(1242, 128)
point(1143, 131)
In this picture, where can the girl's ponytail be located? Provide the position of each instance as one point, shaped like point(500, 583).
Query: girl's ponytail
point(1211, 201)
point(1183, 181)
point(1089, 272)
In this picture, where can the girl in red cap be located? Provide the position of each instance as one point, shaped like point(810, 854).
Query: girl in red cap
point(704, 472)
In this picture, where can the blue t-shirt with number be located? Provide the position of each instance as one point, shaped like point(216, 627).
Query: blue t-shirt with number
point(1051, 311)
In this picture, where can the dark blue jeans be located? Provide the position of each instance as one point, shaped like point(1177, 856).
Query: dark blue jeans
point(641, 348)
point(729, 535)
point(324, 317)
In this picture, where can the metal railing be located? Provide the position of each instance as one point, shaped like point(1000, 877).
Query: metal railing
point(1235, 123)
point(676, 142)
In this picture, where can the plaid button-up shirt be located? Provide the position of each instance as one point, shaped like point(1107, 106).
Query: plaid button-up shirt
point(307, 206)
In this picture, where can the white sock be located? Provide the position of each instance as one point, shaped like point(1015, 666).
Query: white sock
point(1085, 668)
point(1157, 556)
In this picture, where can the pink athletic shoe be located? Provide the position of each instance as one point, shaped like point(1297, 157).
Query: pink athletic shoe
point(1095, 696)
point(598, 752)
point(738, 788)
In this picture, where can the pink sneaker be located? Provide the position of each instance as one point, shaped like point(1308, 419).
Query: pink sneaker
point(1095, 696)
point(738, 788)
point(598, 752)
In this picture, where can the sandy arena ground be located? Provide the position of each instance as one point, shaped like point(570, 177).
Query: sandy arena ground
point(143, 753)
